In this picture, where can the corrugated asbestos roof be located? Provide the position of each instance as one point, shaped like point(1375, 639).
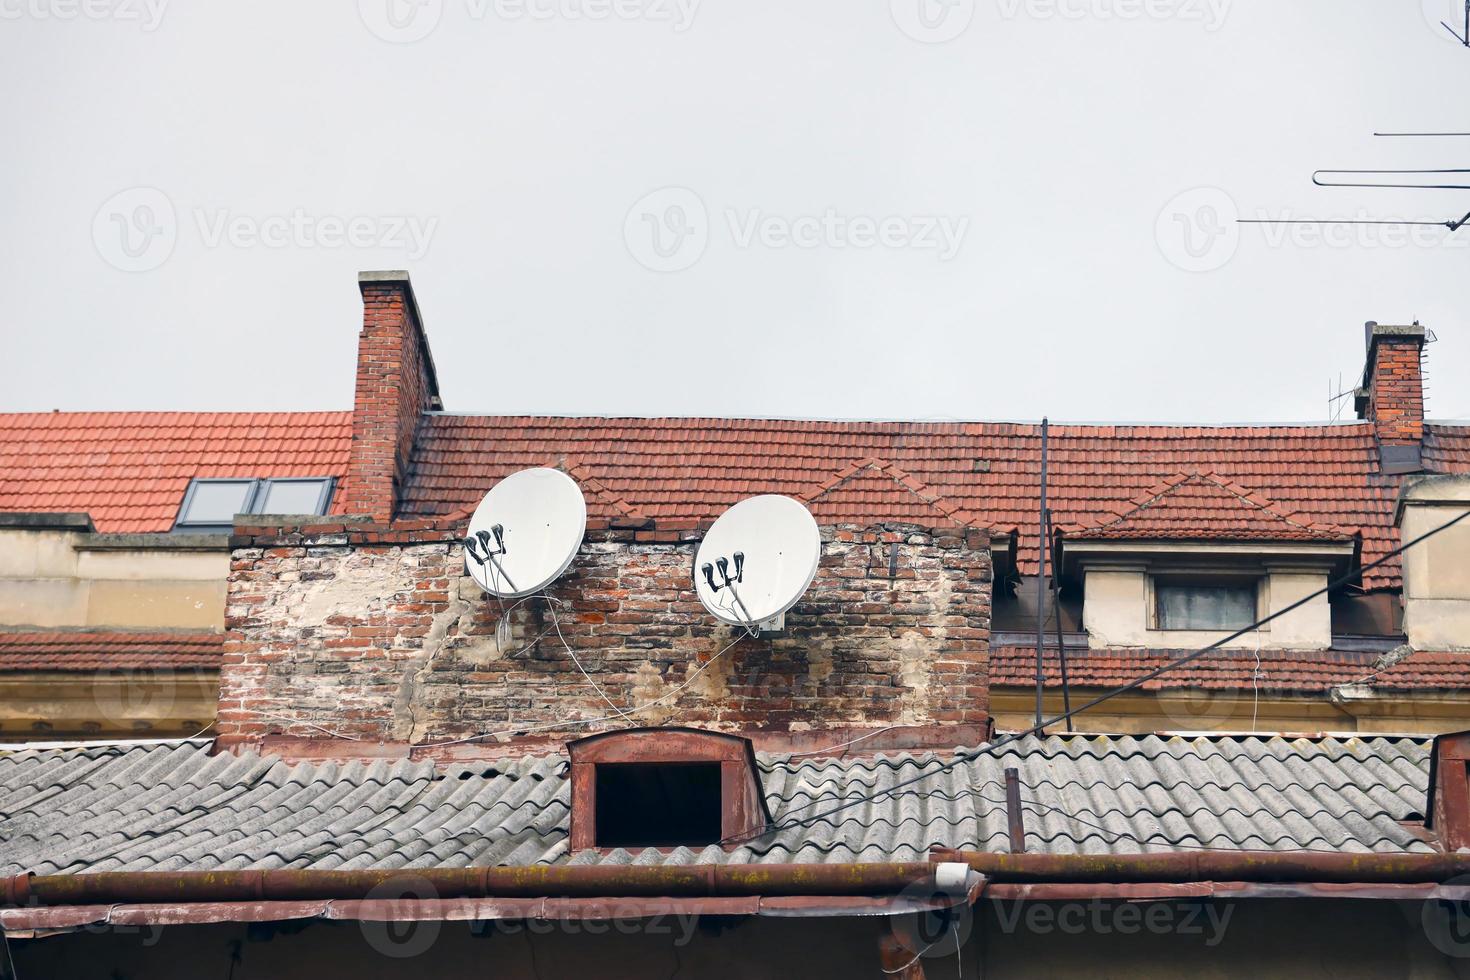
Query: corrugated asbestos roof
point(169, 808)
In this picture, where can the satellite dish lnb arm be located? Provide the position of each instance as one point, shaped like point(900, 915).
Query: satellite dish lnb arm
point(750, 623)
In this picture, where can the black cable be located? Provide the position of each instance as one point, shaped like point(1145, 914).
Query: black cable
point(1056, 611)
point(1100, 699)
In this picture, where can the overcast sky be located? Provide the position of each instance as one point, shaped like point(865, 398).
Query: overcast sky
point(990, 209)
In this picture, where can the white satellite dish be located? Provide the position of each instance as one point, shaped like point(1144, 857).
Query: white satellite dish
point(525, 533)
point(757, 561)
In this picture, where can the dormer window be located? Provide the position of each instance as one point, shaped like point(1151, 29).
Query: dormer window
point(664, 788)
point(210, 505)
point(1198, 557)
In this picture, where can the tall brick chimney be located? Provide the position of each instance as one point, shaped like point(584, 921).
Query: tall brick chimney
point(396, 383)
point(1392, 394)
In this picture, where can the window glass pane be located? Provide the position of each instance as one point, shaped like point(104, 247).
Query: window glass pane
point(292, 497)
point(216, 501)
point(1206, 607)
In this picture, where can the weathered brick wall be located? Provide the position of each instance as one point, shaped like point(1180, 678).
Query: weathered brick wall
point(395, 384)
point(379, 634)
point(1396, 390)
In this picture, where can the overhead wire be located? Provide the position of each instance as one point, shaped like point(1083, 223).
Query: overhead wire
point(843, 745)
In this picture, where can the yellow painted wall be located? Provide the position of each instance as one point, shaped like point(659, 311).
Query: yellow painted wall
point(54, 579)
point(1437, 572)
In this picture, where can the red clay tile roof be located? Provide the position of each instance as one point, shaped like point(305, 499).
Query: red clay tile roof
point(1446, 447)
point(129, 470)
point(874, 491)
point(85, 651)
point(691, 469)
point(1203, 507)
point(1280, 671)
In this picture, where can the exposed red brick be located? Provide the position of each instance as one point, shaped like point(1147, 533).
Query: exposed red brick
point(396, 384)
point(1394, 384)
point(393, 641)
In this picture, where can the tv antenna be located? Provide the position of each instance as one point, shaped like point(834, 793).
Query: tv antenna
point(756, 561)
point(1443, 179)
point(525, 533)
point(1463, 34)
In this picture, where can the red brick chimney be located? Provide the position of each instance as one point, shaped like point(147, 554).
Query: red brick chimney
point(1392, 394)
point(396, 384)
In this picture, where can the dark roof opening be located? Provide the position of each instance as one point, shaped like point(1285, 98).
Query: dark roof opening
point(664, 788)
point(658, 804)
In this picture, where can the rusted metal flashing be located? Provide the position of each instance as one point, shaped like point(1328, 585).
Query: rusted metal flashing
point(816, 744)
point(17, 922)
point(1448, 809)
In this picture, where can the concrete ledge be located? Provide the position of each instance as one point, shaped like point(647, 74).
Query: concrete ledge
point(383, 275)
point(70, 521)
point(153, 542)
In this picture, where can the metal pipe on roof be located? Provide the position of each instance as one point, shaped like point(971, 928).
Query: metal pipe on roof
point(1041, 549)
point(519, 882)
point(1188, 866)
point(1015, 819)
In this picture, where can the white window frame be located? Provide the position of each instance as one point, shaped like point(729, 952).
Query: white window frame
point(257, 490)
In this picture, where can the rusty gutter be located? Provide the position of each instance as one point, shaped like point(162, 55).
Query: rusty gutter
point(1181, 891)
point(536, 882)
point(1291, 867)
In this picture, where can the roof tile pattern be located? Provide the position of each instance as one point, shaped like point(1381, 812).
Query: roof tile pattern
point(129, 470)
point(1305, 672)
point(1447, 448)
point(88, 651)
point(1204, 507)
point(691, 469)
point(874, 491)
point(171, 808)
